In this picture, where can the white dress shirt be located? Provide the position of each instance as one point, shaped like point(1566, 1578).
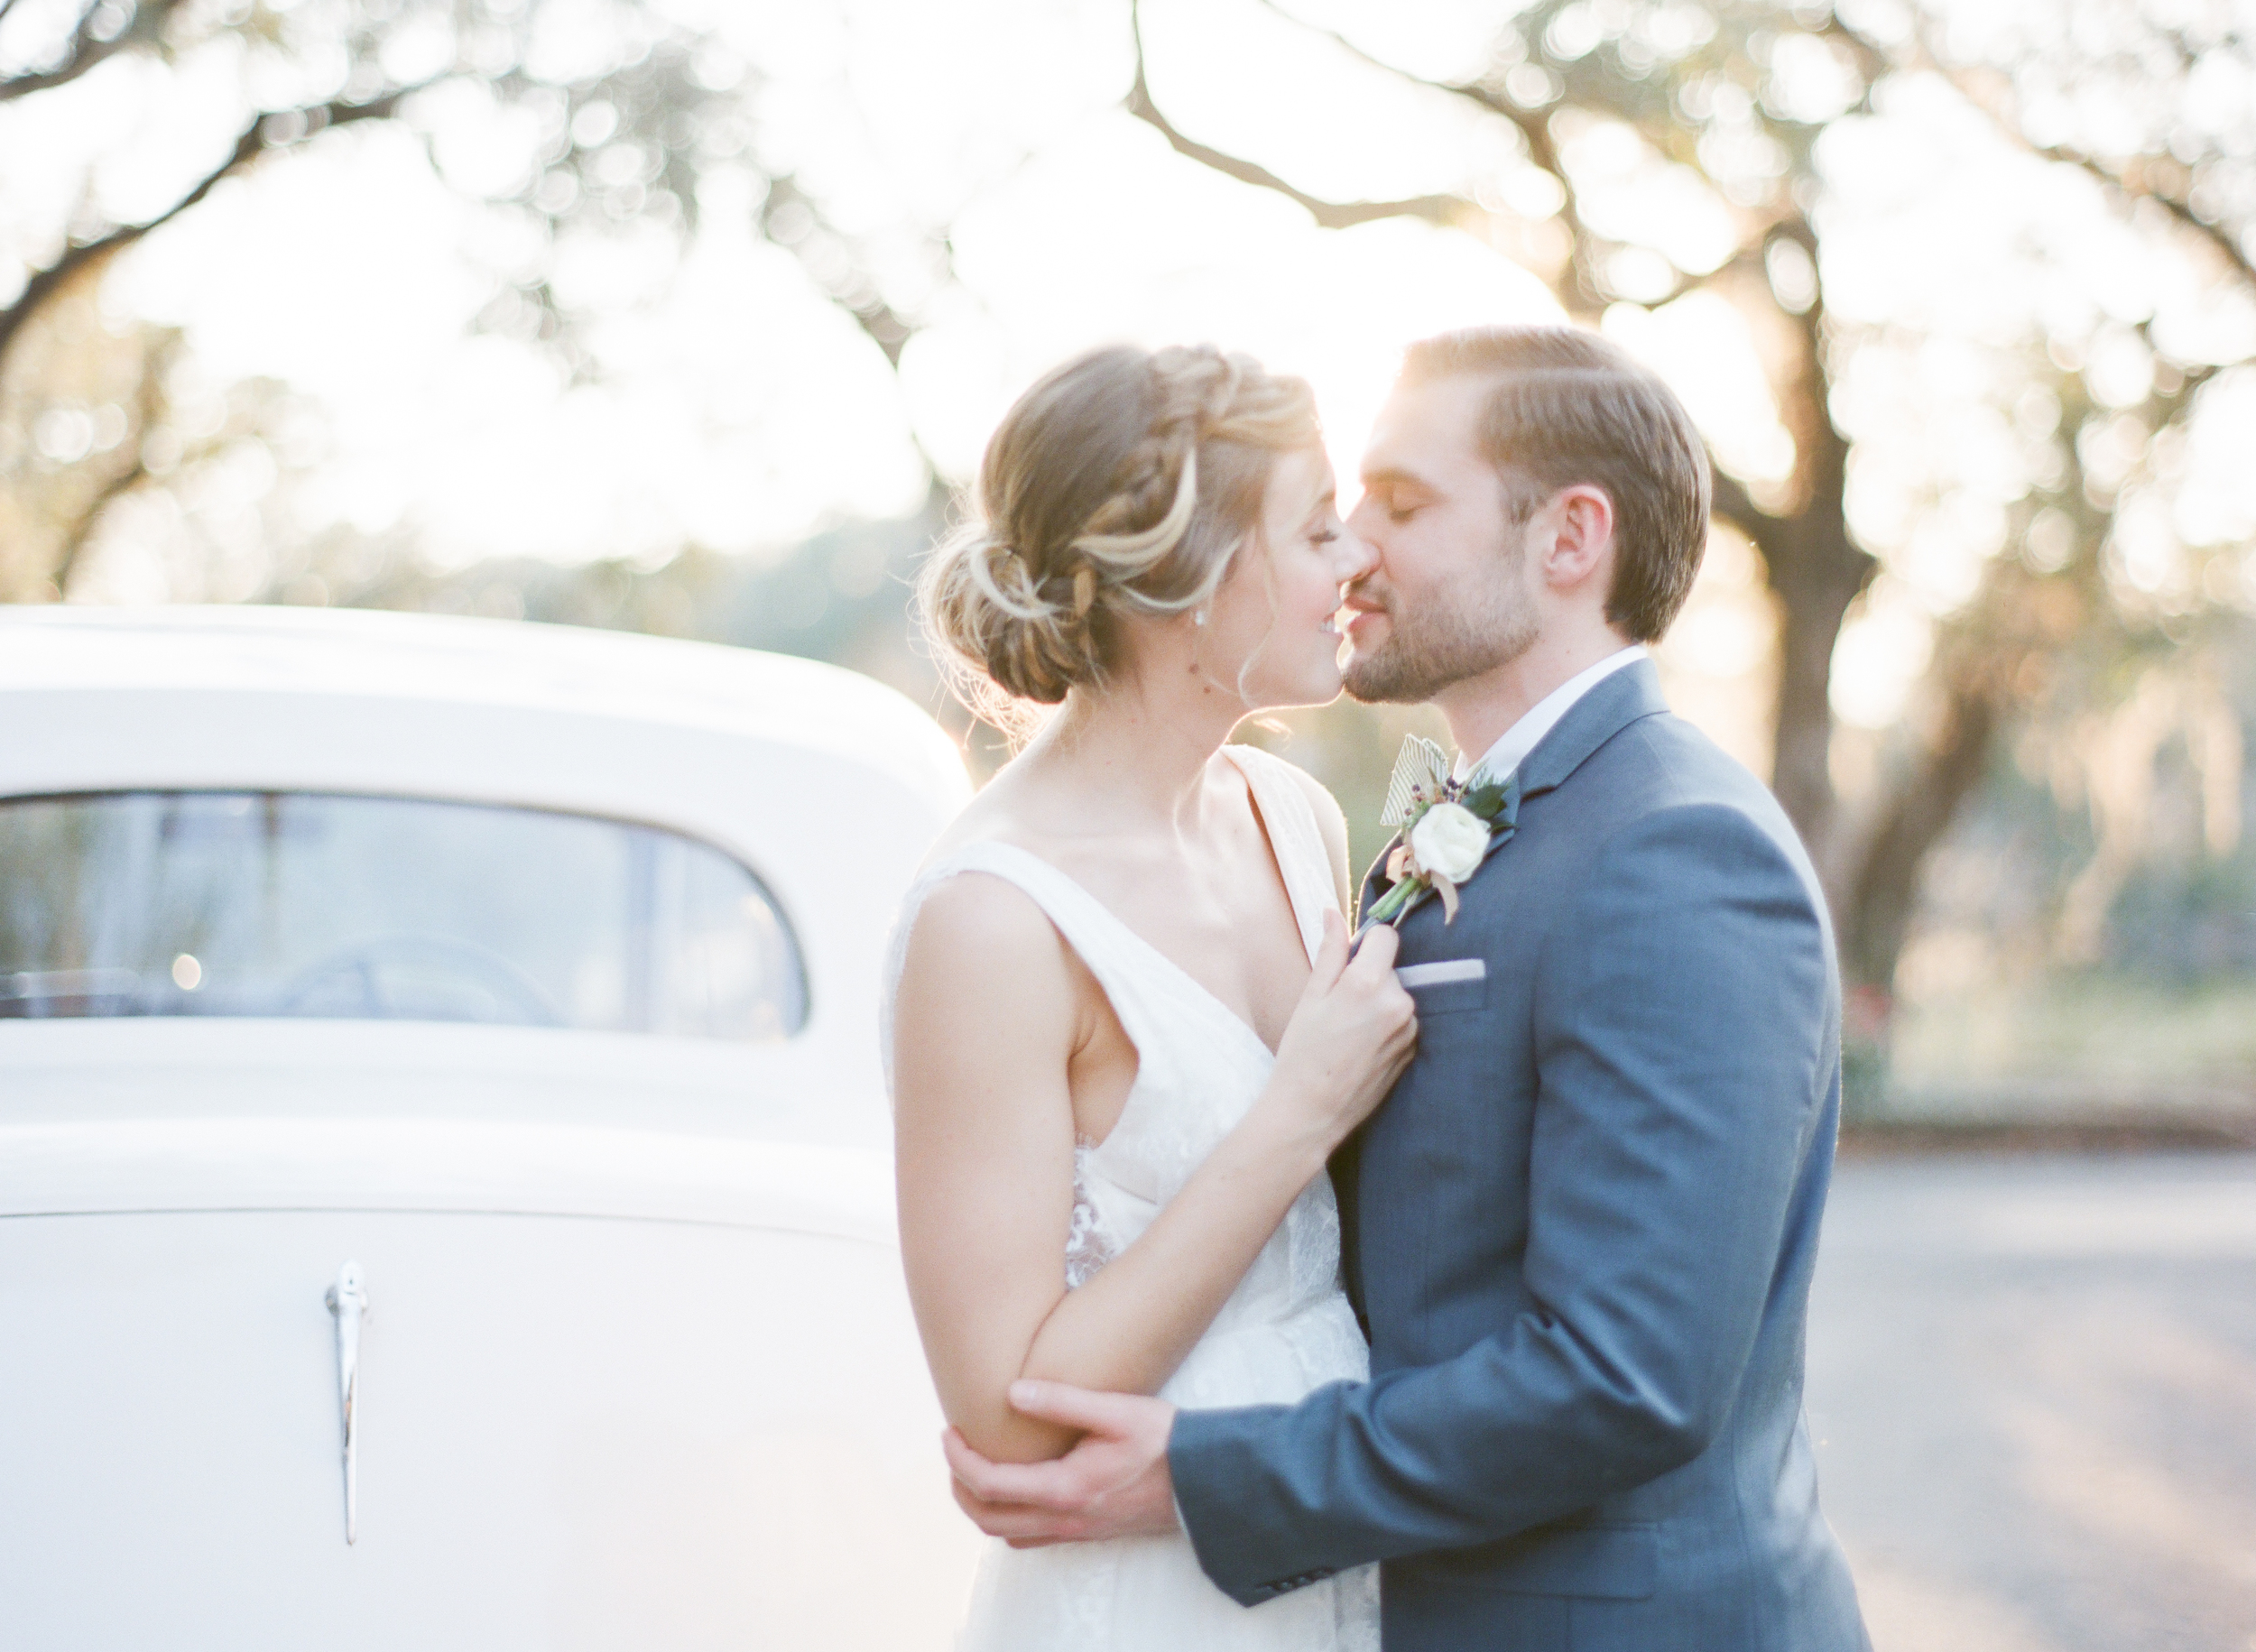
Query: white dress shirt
point(1523, 736)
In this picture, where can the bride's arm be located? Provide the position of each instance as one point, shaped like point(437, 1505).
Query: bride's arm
point(987, 1019)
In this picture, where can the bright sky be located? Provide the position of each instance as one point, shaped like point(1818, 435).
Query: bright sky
point(740, 409)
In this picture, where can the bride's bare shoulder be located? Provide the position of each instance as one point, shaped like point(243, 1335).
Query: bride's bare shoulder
point(972, 917)
point(977, 912)
point(976, 940)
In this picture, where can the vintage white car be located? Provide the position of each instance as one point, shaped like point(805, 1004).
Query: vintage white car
point(444, 1195)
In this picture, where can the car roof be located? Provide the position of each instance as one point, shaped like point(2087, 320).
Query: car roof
point(467, 662)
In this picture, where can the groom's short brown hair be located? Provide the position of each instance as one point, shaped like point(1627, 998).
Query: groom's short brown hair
point(1569, 406)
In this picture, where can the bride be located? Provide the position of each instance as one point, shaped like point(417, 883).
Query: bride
point(1126, 1032)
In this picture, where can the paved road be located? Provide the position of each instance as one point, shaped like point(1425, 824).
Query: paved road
point(2033, 1386)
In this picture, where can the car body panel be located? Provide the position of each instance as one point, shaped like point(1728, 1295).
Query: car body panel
point(573, 1433)
point(638, 1367)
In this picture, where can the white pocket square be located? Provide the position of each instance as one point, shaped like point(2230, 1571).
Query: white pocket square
point(1448, 969)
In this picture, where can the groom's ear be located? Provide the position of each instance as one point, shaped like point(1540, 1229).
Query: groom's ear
point(1574, 541)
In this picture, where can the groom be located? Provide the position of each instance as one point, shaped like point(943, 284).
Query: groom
point(1580, 1231)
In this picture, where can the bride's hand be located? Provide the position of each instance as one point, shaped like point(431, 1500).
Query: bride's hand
point(1351, 1036)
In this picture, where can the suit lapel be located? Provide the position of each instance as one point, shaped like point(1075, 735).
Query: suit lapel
point(1630, 693)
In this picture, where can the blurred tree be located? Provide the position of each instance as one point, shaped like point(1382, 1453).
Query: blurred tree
point(2158, 104)
point(1596, 101)
point(103, 412)
point(558, 119)
point(68, 453)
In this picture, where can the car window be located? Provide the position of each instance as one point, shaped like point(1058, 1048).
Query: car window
point(383, 909)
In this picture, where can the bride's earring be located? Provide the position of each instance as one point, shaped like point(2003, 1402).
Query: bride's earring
point(1199, 616)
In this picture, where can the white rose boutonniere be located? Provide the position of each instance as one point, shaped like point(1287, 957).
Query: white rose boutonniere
point(1448, 842)
point(1448, 827)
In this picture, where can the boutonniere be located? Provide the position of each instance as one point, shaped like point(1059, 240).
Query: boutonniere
point(1447, 828)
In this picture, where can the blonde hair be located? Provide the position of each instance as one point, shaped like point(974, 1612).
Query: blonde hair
point(1122, 483)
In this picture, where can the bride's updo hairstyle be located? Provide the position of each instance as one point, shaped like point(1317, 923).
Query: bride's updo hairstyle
point(1122, 483)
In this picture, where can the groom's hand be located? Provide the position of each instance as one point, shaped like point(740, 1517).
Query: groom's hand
point(1114, 1483)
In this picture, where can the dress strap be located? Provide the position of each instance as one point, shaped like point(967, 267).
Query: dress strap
point(1112, 952)
point(1296, 836)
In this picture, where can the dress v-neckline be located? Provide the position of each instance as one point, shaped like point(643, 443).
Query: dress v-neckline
point(1200, 988)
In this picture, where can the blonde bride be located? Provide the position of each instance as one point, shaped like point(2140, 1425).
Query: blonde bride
point(1125, 1030)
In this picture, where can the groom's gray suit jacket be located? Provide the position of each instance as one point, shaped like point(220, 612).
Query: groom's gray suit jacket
point(1580, 1234)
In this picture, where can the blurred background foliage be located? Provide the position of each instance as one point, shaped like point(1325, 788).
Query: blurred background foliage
point(1964, 296)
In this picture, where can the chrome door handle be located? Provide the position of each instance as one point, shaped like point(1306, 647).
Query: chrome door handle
point(348, 1306)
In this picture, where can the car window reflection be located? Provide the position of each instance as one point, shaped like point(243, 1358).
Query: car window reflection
point(383, 909)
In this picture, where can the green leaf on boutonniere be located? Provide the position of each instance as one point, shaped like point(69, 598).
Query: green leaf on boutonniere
point(1485, 800)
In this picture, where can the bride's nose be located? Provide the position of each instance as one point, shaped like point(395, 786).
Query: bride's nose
point(1351, 556)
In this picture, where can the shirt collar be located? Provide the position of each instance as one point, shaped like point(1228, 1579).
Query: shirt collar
point(1523, 736)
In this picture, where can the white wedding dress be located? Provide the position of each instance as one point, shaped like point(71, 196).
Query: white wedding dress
point(1286, 1330)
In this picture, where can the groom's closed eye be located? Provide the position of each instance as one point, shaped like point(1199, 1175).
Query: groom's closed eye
point(1398, 492)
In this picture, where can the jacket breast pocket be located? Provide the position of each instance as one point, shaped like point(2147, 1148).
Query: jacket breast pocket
point(1445, 987)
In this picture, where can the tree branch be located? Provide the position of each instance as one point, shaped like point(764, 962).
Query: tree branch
point(1732, 503)
point(1773, 535)
point(85, 49)
point(1533, 126)
point(2124, 180)
point(2178, 208)
point(1331, 215)
point(252, 144)
point(81, 534)
point(149, 410)
point(1874, 59)
point(853, 291)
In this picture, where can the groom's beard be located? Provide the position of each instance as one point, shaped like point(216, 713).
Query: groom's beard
point(1445, 639)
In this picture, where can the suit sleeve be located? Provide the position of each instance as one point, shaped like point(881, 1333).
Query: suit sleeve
point(1683, 1011)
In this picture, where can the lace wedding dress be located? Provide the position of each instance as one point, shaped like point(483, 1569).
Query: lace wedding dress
point(1286, 1330)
